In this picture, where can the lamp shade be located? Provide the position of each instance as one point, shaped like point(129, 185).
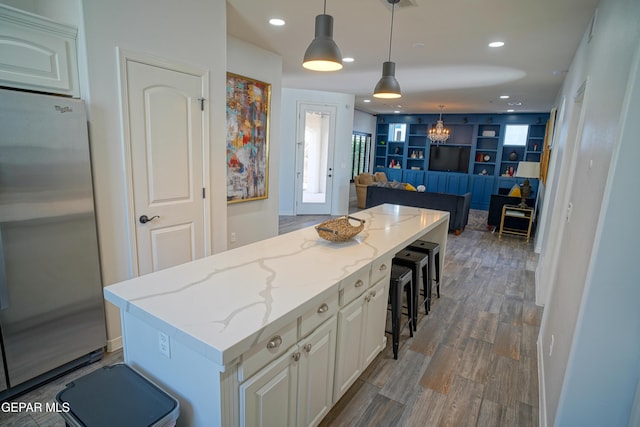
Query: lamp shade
point(388, 87)
point(323, 53)
point(528, 170)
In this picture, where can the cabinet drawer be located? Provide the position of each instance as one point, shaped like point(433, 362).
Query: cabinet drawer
point(380, 268)
point(318, 314)
point(267, 350)
point(353, 286)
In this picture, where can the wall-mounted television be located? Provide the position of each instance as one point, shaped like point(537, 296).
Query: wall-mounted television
point(449, 158)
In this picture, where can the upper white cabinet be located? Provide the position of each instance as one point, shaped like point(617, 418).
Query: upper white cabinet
point(37, 53)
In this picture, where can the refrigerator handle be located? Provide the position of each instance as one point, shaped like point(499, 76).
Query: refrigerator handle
point(4, 286)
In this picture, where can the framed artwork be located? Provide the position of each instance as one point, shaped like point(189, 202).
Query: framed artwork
point(546, 147)
point(248, 103)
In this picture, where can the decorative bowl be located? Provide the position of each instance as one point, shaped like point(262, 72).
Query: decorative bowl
point(339, 229)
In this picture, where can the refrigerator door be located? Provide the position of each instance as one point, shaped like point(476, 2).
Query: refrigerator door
point(51, 307)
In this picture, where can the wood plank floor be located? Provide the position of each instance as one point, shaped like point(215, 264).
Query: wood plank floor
point(473, 360)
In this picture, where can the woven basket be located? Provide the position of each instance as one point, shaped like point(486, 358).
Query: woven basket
point(339, 229)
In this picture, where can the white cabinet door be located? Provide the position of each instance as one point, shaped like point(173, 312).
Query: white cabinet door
point(37, 53)
point(269, 397)
point(315, 386)
point(349, 348)
point(376, 315)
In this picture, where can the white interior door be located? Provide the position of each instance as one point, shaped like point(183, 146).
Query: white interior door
point(166, 139)
point(316, 130)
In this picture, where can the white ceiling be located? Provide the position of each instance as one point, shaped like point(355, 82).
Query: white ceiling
point(440, 49)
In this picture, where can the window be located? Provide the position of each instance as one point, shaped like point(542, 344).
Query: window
point(516, 135)
point(397, 132)
point(361, 152)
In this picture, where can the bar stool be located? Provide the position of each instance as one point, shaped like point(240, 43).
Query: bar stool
point(400, 281)
point(418, 262)
point(433, 251)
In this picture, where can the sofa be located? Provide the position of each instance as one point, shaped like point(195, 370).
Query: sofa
point(362, 181)
point(457, 206)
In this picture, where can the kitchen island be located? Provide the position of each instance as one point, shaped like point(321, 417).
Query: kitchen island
point(233, 336)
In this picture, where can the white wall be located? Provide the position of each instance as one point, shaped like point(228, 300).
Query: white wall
point(191, 32)
point(258, 219)
point(342, 151)
point(591, 315)
point(364, 122)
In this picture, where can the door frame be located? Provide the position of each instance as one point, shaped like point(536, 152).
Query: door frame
point(301, 108)
point(123, 58)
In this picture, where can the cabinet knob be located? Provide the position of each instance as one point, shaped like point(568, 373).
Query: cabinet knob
point(367, 298)
point(274, 342)
point(323, 308)
point(307, 348)
point(296, 356)
point(373, 294)
point(359, 283)
point(383, 267)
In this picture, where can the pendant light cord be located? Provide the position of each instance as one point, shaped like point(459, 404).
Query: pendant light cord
point(393, 7)
point(325, 7)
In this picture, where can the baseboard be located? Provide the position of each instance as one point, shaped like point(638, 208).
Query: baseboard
point(114, 344)
point(542, 398)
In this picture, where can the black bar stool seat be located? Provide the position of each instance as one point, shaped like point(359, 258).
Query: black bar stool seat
point(418, 262)
point(401, 280)
point(433, 251)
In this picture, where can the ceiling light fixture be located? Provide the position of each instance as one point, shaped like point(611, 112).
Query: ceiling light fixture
point(323, 53)
point(496, 44)
point(439, 133)
point(276, 22)
point(388, 87)
point(347, 59)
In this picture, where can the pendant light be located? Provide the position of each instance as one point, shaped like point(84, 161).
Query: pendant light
point(323, 53)
point(388, 87)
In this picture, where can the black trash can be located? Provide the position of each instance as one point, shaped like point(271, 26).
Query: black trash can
point(117, 395)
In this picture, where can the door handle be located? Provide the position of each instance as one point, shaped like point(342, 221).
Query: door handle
point(145, 219)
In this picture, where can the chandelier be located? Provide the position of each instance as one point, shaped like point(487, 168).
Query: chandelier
point(439, 133)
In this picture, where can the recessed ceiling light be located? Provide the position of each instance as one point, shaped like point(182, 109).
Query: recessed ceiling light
point(504, 96)
point(348, 59)
point(496, 44)
point(277, 22)
point(515, 103)
point(366, 100)
point(510, 111)
point(397, 112)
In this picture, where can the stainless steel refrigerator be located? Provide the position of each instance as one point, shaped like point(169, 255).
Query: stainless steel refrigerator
point(51, 305)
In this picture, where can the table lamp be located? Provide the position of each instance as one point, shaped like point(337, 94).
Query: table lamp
point(527, 170)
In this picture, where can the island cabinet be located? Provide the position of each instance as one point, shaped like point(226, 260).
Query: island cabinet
point(271, 333)
point(359, 325)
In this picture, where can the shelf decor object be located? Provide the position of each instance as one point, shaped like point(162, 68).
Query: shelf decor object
point(527, 170)
point(388, 87)
point(247, 138)
point(439, 133)
point(323, 53)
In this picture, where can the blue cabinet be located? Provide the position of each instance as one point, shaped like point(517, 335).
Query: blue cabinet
point(394, 174)
point(413, 177)
point(481, 190)
point(447, 182)
point(437, 182)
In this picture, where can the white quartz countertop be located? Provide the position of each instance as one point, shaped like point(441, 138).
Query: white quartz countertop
point(223, 304)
